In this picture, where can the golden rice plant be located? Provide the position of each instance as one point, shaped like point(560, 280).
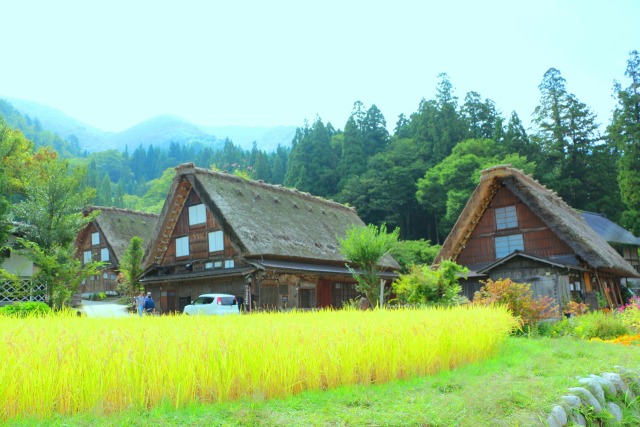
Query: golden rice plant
point(68, 365)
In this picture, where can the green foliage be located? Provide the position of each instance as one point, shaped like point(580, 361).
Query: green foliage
point(59, 269)
point(25, 309)
point(624, 134)
point(312, 162)
point(445, 188)
point(131, 266)
point(629, 315)
point(592, 325)
point(599, 325)
point(424, 285)
point(518, 297)
point(365, 247)
point(414, 252)
point(54, 198)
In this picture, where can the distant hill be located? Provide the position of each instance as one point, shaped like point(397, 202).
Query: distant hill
point(159, 131)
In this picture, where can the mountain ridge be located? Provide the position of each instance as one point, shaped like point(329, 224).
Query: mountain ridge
point(159, 131)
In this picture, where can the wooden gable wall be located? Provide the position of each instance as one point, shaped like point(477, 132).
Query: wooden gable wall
point(198, 236)
point(84, 244)
point(538, 238)
point(106, 280)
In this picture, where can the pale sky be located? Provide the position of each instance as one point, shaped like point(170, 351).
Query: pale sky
point(113, 64)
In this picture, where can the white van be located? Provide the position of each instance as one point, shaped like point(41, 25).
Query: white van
point(209, 304)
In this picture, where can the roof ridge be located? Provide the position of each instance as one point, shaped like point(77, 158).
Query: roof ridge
point(186, 168)
point(508, 170)
point(120, 210)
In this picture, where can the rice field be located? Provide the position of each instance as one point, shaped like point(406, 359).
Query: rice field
point(69, 365)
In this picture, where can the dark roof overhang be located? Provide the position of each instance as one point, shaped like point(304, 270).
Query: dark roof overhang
point(551, 262)
point(300, 267)
point(227, 272)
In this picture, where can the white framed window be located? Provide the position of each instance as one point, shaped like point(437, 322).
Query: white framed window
point(104, 254)
point(229, 263)
point(507, 244)
point(197, 214)
point(95, 239)
point(182, 246)
point(506, 217)
point(86, 257)
point(216, 241)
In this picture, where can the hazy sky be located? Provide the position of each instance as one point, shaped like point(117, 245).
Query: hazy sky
point(113, 64)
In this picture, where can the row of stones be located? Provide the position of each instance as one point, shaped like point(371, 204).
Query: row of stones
point(593, 393)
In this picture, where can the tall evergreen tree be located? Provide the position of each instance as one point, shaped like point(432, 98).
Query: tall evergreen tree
point(352, 159)
point(566, 135)
point(624, 133)
point(311, 165)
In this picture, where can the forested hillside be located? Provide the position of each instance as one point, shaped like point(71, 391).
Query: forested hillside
point(418, 176)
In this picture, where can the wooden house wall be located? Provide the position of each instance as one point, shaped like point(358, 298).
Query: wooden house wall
point(106, 280)
point(198, 237)
point(537, 237)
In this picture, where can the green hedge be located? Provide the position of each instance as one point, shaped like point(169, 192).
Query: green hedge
point(24, 309)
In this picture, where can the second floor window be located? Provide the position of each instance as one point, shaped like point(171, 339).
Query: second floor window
point(507, 244)
point(197, 214)
point(95, 239)
point(104, 254)
point(87, 257)
point(182, 246)
point(216, 241)
point(506, 217)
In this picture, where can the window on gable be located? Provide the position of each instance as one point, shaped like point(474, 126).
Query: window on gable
point(507, 244)
point(104, 254)
point(229, 263)
point(506, 217)
point(216, 241)
point(197, 214)
point(95, 239)
point(87, 257)
point(182, 246)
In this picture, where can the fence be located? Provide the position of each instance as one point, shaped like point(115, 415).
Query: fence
point(24, 289)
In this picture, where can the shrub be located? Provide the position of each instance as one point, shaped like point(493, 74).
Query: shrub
point(426, 286)
point(575, 308)
point(24, 309)
point(518, 297)
point(630, 314)
point(599, 325)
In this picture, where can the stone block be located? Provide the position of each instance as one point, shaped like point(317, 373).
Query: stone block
point(587, 398)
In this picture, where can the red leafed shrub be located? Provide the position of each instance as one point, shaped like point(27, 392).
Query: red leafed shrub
point(518, 297)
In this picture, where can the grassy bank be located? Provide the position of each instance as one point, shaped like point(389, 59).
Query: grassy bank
point(517, 387)
point(70, 365)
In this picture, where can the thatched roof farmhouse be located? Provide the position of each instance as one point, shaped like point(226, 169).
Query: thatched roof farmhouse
point(107, 238)
point(271, 246)
point(512, 226)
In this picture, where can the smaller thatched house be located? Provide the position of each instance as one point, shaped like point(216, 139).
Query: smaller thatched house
point(514, 227)
point(107, 238)
point(270, 246)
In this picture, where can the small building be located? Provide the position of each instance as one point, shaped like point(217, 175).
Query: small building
point(107, 238)
point(26, 288)
point(620, 239)
point(272, 247)
point(514, 227)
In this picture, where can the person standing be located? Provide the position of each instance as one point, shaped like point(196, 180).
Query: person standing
point(140, 301)
point(149, 304)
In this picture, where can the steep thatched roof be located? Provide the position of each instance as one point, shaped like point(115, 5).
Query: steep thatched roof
point(563, 220)
point(268, 221)
point(119, 225)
